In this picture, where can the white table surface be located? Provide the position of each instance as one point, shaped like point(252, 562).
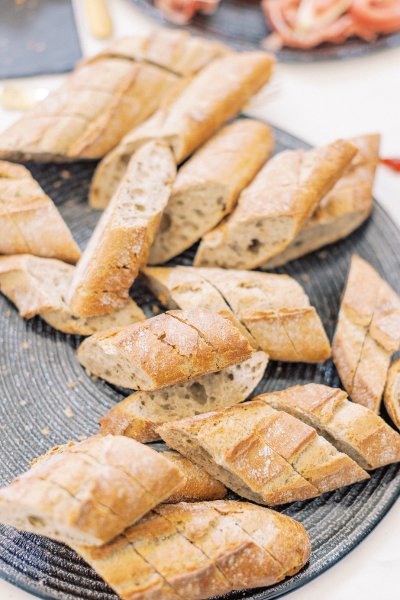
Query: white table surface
point(317, 102)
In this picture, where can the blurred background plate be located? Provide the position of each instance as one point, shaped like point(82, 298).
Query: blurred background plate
point(241, 24)
point(47, 399)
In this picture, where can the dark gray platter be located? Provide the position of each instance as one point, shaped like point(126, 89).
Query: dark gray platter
point(241, 24)
point(40, 378)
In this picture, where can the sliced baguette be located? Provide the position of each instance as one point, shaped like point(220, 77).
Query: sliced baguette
point(170, 348)
point(274, 309)
point(264, 455)
point(39, 286)
point(198, 484)
point(392, 393)
point(211, 98)
point(29, 220)
point(139, 415)
point(367, 334)
point(89, 492)
point(342, 210)
point(120, 243)
point(208, 185)
point(274, 207)
point(352, 428)
point(212, 550)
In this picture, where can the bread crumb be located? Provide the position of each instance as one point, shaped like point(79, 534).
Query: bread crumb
point(45, 431)
point(72, 384)
point(65, 174)
point(68, 412)
point(305, 277)
point(23, 402)
point(81, 438)
point(323, 254)
point(25, 345)
point(155, 309)
point(57, 184)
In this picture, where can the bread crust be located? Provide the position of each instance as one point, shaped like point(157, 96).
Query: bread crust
point(272, 210)
point(352, 428)
point(208, 185)
point(211, 98)
point(38, 286)
point(90, 491)
point(29, 220)
point(139, 415)
point(120, 244)
point(170, 348)
point(215, 546)
point(367, 334)
point(392, 393)
point(342, 210)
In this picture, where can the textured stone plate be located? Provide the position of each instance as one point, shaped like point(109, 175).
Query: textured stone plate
point(47, 399)
point(241, 24)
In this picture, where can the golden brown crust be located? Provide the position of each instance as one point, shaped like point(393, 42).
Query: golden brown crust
point(367, 334)
point(215, 546)
point(139, 415)
point(170, 348)
point(210, 99)
point(274, 207)
point(90, 491)
point(198, 485)
point(29, 220)
point(120, 244)
point(352, 428)
point(343, 209)
point(208, 185)
point(392, 393)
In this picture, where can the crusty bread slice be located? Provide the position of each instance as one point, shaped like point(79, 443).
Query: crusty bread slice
point(29, 220)
point(170, 348)
point(343, 209)
point(210, 99)
point(139, 415)
point(215, 546)
point(273, 309)
point(352, 428)
point(367, 334)
point(392, 393)
point(198, 484)
point(185, 288)
point(89, 492)
point(120, 243)
point(208, 185)
point(274, 207)
point(264, 455)
point(39, 286)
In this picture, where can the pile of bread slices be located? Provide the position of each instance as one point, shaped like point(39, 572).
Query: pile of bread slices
point(144, 106)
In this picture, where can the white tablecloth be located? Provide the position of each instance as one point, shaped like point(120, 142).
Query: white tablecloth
point(318, 103)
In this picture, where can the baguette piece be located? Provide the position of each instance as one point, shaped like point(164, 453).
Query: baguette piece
point(274, 309)
point(29, 220)
point(272, 210)
point(352, 428)
point(342, 210)
point(208, 185)
point(88, 493)
point(39, 286)
point(213, 97)
point(139, 415)
point(367, 334)
point(170, 348)
point(106, 96)
point(262, 454)
point(216, 549)
point(392, 393)
point(120, 243)
point(198, 484)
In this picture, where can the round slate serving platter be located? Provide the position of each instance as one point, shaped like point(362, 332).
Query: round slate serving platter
point(47, 399)
point(241, 24)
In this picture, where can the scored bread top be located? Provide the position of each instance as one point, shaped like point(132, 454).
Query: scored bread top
point(217, 547)
point(352, 428)
point(90, 491)
point(170, 348)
